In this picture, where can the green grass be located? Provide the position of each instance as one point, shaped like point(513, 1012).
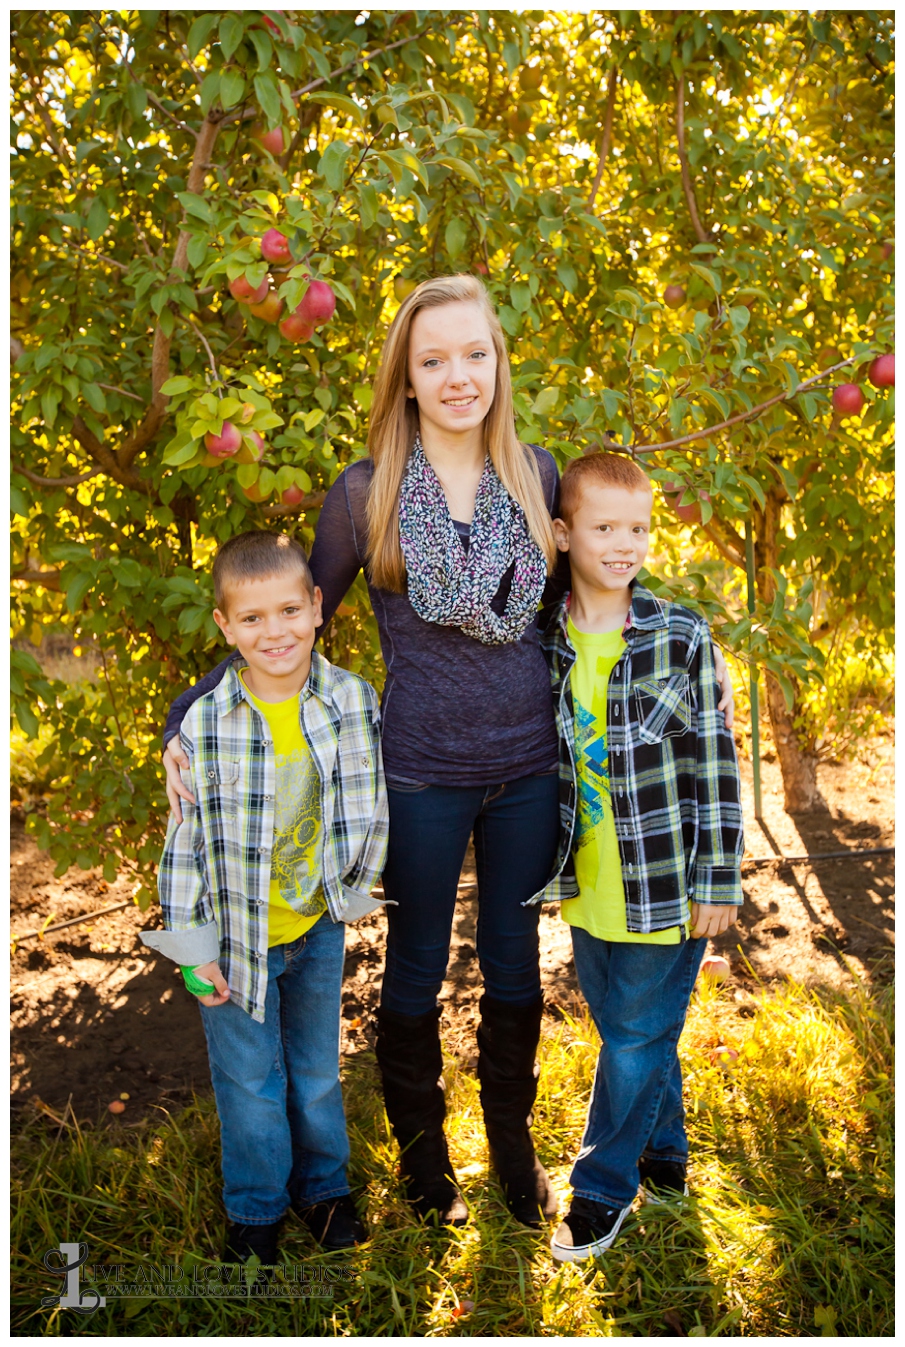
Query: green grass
point(789, 1231)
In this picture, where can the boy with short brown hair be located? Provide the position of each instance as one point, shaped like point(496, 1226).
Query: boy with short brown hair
point(651, 864)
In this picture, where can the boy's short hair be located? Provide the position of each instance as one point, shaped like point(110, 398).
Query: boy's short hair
point(598, 469)
point(255, 556)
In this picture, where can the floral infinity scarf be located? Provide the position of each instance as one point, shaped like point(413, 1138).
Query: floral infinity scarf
point(453, 587)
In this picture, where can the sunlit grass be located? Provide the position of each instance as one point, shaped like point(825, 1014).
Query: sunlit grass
point(788, 1232)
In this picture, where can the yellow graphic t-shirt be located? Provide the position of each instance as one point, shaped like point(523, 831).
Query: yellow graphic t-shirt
point(599, 908)
point(296, 895)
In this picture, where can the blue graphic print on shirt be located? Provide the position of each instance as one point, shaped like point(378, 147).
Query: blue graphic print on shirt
point(592, 761)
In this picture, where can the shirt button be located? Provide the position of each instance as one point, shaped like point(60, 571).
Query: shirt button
point(268, 797)
point(616, 709)
point(211, 775)
point(262, 851)
point(364, 762)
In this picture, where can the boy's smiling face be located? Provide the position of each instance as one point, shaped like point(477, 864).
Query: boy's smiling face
point(608, 536)
point(273, 622)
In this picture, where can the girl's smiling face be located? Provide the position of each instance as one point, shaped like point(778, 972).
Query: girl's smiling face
point(451, 368)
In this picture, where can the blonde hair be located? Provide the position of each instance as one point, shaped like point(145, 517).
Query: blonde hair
point(394, 422)
point(599, 469)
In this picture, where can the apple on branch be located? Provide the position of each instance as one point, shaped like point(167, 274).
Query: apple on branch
point(245, 293)
point(269, 309)
point(226, 444)
point(275, 246)
point(293, 495)
point(674, 296)
point(294, 327)
point(848, 399)
point(882, 372)
point(318, 304)
point(272, 140)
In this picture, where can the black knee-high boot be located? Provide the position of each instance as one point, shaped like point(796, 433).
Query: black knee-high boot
point(507, 1041)
point(411, 1062)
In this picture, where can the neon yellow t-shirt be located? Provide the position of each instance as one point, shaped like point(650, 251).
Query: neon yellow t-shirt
point(296, 896)
point(599, 908)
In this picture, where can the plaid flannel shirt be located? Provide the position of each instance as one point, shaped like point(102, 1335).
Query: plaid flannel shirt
point(214, 876)
point(673, 771)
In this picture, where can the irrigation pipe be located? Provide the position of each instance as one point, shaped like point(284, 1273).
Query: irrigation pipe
point(73, 921)
point(817, 856)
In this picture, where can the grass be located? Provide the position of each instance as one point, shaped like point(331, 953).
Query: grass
point(788, 1232)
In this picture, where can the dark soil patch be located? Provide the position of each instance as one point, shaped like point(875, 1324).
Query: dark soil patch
point(96, 1015)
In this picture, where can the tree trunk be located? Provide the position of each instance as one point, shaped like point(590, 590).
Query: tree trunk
point(799, 768)
point(797, 764)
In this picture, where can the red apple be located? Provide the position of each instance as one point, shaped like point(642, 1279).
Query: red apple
point(293, 495)
point(482, 268)
point(274, 28)
point(715, 968)
point(254, 452)
point(674, 296)
point(247, 294)
point(723, 1056)
point(882, 372)
point(275, 246)
point(227, 443)
point(271, 140)
point(887, 251)
point(294, 328)
point(689, 514)
point(318, 304)
point(269, 309)
point(848, 399)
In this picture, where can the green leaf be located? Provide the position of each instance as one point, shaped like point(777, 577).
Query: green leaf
point(210, 88)
point(545, 402)
point(268, 95)
point(200, 31)
point(455, 235)
point(232, 88)
point(198, 250)
point(195, 205)
point(462, 167)
point(707, 275)
point(340, 103)
point(370, 204)
point(98, 219)
point(77, 588)
point(232, 30)
point(94, 396)
point(263, 47)
point(333, 164)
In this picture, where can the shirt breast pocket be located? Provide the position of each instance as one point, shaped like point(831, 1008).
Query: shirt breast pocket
point(664, 708)
point(221, 787)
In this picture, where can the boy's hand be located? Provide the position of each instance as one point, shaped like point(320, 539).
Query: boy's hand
point(174, 757)
point(210, 972)
point(726, 704)
point(709, 920)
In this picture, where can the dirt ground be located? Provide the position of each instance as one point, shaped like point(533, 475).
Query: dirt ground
point(96, 1016)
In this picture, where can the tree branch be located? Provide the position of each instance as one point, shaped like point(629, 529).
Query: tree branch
point(687, 185)
point(111, 463)
point(96, 257)
point(249, 113)
point(312, 502)
point(607, 134)
point(742, 416)
point(49, 579)
point(731, 554)
point(74, 480)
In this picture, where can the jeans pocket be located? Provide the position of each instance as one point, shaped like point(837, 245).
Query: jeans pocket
point(663, 707)
point(405, 785)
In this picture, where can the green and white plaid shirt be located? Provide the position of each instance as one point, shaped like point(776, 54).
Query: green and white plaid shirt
point(673, 771)
point(214, 876)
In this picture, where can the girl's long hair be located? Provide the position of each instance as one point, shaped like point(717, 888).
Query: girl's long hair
point(394, 421)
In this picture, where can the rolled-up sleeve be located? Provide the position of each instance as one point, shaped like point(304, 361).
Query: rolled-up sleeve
point(718, 873)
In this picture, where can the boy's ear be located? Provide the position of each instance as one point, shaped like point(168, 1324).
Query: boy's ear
point(222, 622)
point(561, 534)
point(317, 601)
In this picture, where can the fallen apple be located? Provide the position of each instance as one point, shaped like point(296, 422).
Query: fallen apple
point(723, 1056)
point(116, 1106)
point(716, 968)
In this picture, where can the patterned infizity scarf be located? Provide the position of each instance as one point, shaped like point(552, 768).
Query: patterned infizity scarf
point(453, 587)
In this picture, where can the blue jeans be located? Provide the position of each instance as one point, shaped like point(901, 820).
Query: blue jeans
point(282, 1126)
point(516, 828)
point(638, 996)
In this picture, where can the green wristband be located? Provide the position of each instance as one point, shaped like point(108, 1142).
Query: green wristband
point(197, 986)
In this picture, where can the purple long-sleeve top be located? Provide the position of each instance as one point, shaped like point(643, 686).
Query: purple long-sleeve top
point(455, 712)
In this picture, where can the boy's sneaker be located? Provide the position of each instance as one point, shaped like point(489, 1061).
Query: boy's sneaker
point(662, 1180)
point(588, 1230)
point(247, 1241)
point(335, 1224)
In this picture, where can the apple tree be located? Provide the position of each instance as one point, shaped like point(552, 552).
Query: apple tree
point(684, 218)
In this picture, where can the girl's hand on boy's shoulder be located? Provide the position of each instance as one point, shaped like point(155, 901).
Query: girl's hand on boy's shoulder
point(174, 758)
point(709, 920)
point(210, 972)
point(726, 704)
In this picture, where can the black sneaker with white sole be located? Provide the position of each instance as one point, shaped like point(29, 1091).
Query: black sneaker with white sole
point(589, 1229)
point(662, 1180)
